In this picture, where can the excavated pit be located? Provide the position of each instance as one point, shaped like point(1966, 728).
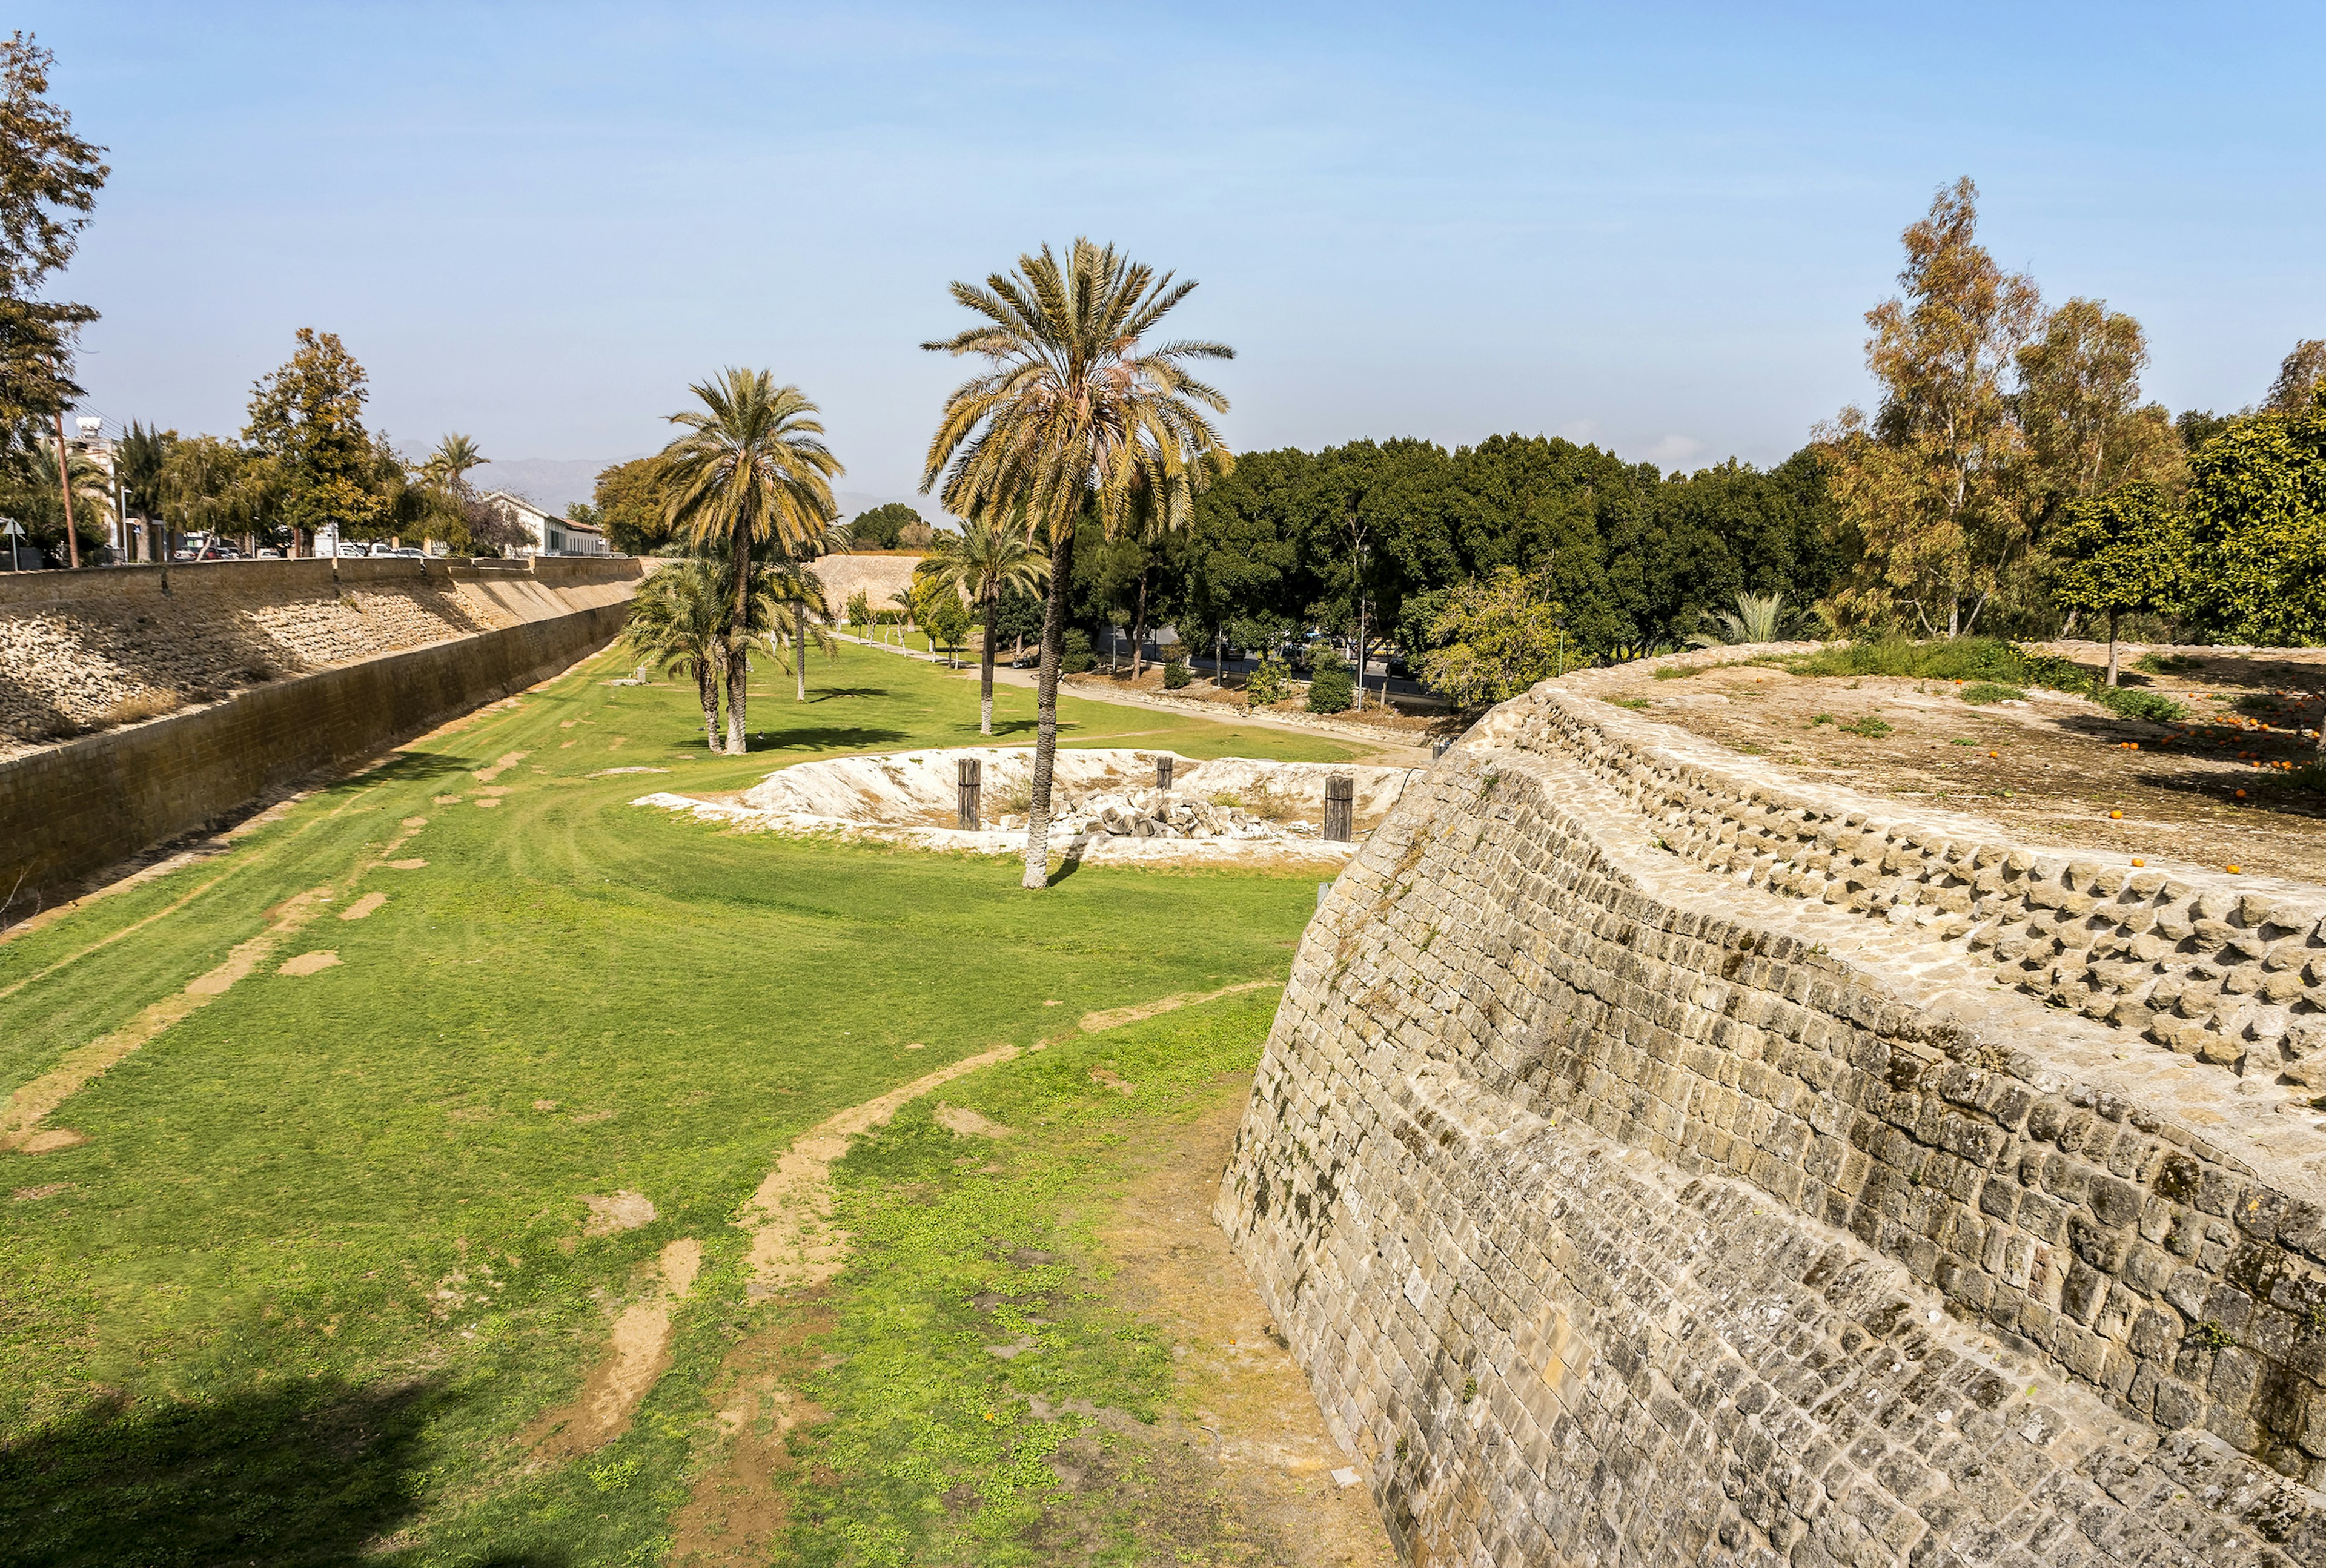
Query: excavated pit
point(1105, 804)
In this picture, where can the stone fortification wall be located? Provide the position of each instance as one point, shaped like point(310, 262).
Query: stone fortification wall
point(878, 578)
point(1655, 1161)
point(88, 650)
point(70, 810)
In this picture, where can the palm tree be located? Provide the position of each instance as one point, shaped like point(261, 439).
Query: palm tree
point(1075, 412)
point(990, 553)
point(448, 466)
point(679, 620)
point(36, 499)
point(751, 466)
point(1758, 617)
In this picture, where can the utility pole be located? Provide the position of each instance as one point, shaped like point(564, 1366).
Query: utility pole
point(1357, 591)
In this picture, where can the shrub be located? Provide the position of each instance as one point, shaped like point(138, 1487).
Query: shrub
point(1176, 675)
point(1869, 726)
point(1985, 692)
point(1268, 683)
point(2167, 663)
point(1332, 685)
point(2150, 705)
point(1075, 658)
point(1989, 660)
point(136, 709)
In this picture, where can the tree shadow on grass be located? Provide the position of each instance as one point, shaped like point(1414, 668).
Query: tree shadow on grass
point(826, 737)
point(407, 766)
point(310, 1473)
point(827, 693)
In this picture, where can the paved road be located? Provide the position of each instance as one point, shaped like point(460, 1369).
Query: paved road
point(1400, 751)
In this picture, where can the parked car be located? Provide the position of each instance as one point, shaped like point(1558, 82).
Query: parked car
point(268, 553)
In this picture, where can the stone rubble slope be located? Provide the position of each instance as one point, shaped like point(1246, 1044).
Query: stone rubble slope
point(97, 651)
point(1632, 1204)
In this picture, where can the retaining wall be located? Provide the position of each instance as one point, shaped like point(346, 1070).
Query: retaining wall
point(1654, 1161)
point(70, 811)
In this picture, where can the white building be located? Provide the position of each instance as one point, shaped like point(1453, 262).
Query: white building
point(546, 534)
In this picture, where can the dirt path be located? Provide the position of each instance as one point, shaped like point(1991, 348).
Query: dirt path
point(635, 1357)
point(1256, 1433)
point(1115, 1017)
point(793, 1244)
point(1390, 749)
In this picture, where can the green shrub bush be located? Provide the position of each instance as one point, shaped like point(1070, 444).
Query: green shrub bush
point(1980, 692)
point(1176, 674)
point(1990, 660)
point(1075, 658)
point(1268, 683)
point(1332, 685)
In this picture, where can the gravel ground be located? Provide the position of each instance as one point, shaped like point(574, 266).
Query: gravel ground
point(2213, 790)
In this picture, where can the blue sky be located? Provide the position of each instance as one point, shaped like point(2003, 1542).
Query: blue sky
point(1653, 226)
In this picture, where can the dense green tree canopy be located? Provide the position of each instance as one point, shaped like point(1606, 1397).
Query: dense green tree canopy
point(883, 527)
point(307, 418)
point(1633, 557)
point(630, 507)
point(2256, 522)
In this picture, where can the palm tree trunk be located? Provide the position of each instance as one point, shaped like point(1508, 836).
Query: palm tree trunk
point(738, 650)
point(1046, 721)
point(985, 673)
point(706, 686)
point(799, 642)
point(1139, 628)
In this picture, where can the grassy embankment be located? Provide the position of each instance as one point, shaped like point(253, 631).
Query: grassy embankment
point(319, 1260)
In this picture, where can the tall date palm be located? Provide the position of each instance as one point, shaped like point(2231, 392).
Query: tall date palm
point(990, 555)
point(751, 467)
point(1075, 411)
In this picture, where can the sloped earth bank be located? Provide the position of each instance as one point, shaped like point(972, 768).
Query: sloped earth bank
point(1106, 803)
point(2050, 766)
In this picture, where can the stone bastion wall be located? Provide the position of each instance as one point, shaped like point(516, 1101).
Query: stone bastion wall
point(269, 671)
point(1659, 1160)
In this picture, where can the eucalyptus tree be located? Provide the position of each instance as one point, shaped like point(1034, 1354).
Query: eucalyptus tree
point(989, 557)
point(751, 469)
point(1075, 411)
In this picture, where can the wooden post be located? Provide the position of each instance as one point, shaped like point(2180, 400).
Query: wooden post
point(1163, 773)
point(971, 768)
point(1340, 807)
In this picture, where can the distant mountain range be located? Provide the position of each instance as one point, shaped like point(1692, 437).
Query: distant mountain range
point(557, 483)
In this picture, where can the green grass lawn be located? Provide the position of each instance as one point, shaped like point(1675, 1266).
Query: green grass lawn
point(317, 1263)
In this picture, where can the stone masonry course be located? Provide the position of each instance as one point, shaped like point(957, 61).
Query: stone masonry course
point(1656, 1160)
